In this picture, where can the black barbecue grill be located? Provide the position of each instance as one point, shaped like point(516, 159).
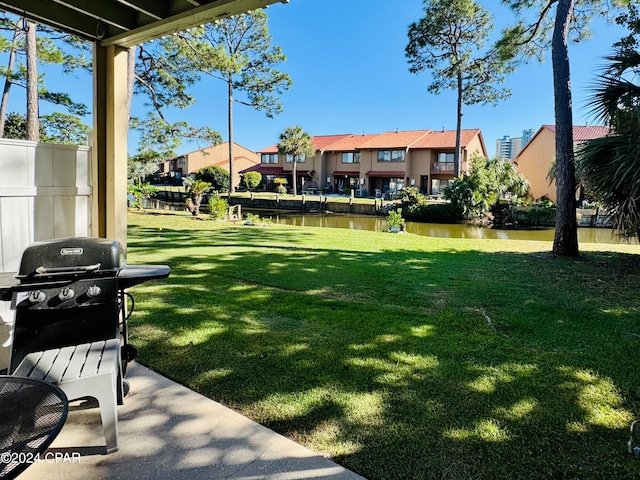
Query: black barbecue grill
point(72, 291)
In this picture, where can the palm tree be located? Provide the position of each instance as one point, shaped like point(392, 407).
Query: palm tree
point(610, 166)
point(195, 189)
point(296, 142)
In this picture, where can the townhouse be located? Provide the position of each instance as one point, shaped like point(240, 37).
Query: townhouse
point(174, 169)
point(537, 157)
point(375, 164)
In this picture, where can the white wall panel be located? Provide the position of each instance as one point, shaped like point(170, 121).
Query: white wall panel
point(44, 193)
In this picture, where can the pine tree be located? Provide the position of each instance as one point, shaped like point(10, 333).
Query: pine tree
point(238, 51)
point(451, 40)
point(555, 23)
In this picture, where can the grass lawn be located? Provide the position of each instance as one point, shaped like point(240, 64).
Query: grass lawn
point(399, 356)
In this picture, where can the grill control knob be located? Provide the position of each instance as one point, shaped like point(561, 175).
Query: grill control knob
point(66, 294)
point(37, 297)
point(93, 291)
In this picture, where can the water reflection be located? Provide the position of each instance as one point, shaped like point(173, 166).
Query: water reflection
point(366, 222)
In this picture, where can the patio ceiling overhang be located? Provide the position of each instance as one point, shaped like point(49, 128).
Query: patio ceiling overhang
point(126, 23)
point(385, 173)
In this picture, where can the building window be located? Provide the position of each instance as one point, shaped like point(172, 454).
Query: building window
point(346, 182)
point(301, 158)
point(392, 185)
point(351, 157)
point(269, 158)
point(446, 157)
point(438, 185)
point(391, 155)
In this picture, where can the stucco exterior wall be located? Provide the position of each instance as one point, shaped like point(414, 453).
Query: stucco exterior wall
point(535, 161)
point(474, 146)
point(212, 155)
point(310, 163)
point(419, 164)
point(219, 156)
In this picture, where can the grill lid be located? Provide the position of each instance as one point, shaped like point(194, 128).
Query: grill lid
point(74, 255)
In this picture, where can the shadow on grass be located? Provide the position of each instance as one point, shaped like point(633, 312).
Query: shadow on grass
point(400, 363)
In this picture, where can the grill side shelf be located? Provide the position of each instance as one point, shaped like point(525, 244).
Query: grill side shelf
point(135, 274)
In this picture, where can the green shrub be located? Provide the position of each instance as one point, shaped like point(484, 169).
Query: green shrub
point(139, 191)
point(545, 202)
point(218, 177)
point(218, 207)
point(252, 219)
point(411, 197)
point(477, 190)
point(395, 220)
point(281, 189)
point(435, 213)
point(542, 215)
point(500, 212)
point(251, 180)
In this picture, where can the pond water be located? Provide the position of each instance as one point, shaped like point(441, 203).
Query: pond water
point(368, 222)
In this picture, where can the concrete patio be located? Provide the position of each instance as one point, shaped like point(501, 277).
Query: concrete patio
point(169, 431)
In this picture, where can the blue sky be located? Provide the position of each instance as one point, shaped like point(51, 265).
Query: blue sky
point(350, 75)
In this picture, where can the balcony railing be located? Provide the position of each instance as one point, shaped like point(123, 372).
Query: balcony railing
point(442, 167)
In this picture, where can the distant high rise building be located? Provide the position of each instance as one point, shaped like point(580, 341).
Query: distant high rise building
point(527, 135)
point(503, 147)
point(509, 148)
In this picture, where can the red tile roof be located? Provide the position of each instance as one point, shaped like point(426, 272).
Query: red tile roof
point(446, 139)
point(321, 142)
point(400, 139)
point(349, 143)
point(346, 173)
point(271, 149)
point(583, 133)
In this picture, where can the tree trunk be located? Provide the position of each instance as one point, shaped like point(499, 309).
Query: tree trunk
point(456, 155)
point(565, 242)
point(295, 175)
point(33, 126)
point(232, 187)
point(8, 82)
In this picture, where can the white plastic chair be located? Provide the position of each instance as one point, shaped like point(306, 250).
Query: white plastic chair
point(86, 370)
